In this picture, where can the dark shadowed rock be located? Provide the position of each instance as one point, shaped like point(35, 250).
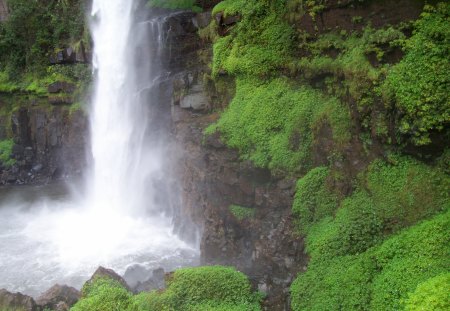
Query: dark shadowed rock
point(201, 20)
point(61, 87)
point(59, 297)
point(60, 100)
point(108, 273)
point(16, 301)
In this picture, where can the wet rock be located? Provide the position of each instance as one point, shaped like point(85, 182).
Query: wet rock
point(155, 282)
point(109, 273)
point(37, 167)
point(136, 274)
point(60, 100)
point(201, 20)
point(195, 99)
point(61, 87)
point(59, 297)
point(16, 301)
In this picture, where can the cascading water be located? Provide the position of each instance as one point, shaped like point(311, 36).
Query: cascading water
point(123, 218)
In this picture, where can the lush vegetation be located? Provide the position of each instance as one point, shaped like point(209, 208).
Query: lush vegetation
point(35, 29)
point(420, 82)
point(213, 288)
point(313, 199)
point(356, 263)
point(380, 278)
point(103, 294)
point(430, 295)
point(273, 123)
point(175, 4)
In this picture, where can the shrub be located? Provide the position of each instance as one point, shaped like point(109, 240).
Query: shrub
point(379, 278)
point(104, 294)
point(313, 200)
point(420, 82)
point(258, 45)
point(431, 295)
point(204, 288)
point(392, 196)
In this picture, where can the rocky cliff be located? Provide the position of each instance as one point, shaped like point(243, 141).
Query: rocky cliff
point(49, 141)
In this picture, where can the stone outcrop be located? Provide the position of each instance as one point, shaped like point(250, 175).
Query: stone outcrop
point(59, 297)
point(16, 301)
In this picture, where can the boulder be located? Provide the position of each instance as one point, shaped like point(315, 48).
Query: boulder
point(16, 301)
point(109, 273)
point(59, 297)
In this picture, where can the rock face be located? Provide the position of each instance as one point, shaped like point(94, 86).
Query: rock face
point(213, 178)
point(16, 301)
point(263, 245)
point(59, 297)
point(4, 12)
point(49, 142)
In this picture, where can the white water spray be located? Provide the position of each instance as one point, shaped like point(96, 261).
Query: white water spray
point(122, 219)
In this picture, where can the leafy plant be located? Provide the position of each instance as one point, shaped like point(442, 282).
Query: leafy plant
point(419, 85)
point(241, 212)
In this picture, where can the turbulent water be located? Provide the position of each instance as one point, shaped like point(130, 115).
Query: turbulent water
point(123, 216)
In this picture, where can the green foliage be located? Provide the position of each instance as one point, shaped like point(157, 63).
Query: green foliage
point(272, 123)
point(313, 200)
point(420, 83)
point(258, 45)
point(381, 277)
point(104, 294)
point(175, 4)
point(241, 212)
point(6, 147)
point(36, 28)
point(204, 288)
point(431, 295)
point(391, 197)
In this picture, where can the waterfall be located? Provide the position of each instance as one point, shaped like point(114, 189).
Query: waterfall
point(123, 218)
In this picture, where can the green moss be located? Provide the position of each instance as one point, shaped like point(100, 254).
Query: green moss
point(258, 45)
point(272, 123)
point(203, 288)
point(313, 200)
point(419, 84)
point(175, 4)
point(379, 278)
point(430, 295)
point(241, 212)
point(6, 147)
point(391, 197)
